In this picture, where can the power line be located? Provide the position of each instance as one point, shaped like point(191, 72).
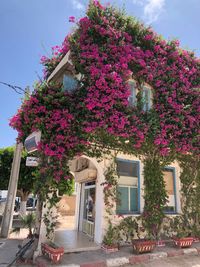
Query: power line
point(16, 88)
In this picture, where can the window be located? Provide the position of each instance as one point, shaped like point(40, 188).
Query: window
point(146, 98)
point(128, 187)
point(169, 179)
point(133, 92)
point(69, 83)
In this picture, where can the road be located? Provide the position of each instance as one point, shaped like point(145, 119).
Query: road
point(182, 261)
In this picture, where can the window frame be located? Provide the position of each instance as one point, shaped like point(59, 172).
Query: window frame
point(133, 104)
point(173, 169)
point(146, 106)
point(65, 79)
point(131, 186)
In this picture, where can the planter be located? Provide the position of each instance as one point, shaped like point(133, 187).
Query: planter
point(143, 246)
point(183, 242)
point(196, 239)
point(110, 248)
point(160, 243)
point(54, 253)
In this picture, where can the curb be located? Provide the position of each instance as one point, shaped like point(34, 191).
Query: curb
point(119, 261)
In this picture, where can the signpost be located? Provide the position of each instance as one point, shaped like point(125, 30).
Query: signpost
point(12, 188)
point(32, 141)
point(31, 144)
point(32, 161)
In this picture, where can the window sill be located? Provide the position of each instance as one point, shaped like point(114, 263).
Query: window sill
point(128, 214)
point(171, 213)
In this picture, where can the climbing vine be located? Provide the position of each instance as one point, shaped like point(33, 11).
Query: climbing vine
point(155, 196)
point(110, 188)
point(190, 180)
point(108, 48)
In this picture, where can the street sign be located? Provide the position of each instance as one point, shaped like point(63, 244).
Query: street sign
point(32, 141)
point(32, 161)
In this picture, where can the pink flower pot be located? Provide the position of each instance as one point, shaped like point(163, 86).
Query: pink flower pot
point(183, 242)
point(110, 249)
point(54, 254)
point(196, 239)
point(142, 246)
point(160, 243)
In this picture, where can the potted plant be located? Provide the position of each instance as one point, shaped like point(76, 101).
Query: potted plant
point(111, 239)
point(147, 234)
point(132, 230)
point(145, 244)
point(28, 222)
point(54, 252)
point(182, 230)
point(128, 228)
point(196, 233)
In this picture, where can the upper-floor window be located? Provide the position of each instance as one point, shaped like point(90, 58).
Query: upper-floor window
point(128, 187)
point(69, 83)
point(132, 99)
point(146, 98)
point(146, 94)
point(170, 187)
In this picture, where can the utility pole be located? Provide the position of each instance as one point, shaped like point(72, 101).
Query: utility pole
point(12, 189)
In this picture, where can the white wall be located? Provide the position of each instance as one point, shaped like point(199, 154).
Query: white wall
point(3, 193)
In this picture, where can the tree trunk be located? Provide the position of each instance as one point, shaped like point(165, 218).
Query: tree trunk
point(24, 197)
point(22, 210)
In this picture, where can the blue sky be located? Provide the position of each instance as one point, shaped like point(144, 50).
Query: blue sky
point(28, 30)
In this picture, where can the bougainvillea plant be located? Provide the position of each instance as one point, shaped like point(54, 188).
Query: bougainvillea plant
point(108, 48)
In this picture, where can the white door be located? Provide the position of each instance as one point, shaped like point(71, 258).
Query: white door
point(89, 194)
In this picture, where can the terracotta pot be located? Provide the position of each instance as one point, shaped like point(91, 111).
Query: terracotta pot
point(196, 239)
point(160, 243)
point(183, 242)
point(110, 248)
point(142, 246)
point(54, 254)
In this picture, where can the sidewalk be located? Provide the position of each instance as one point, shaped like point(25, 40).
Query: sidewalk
point(8, 249)
point(97, 258)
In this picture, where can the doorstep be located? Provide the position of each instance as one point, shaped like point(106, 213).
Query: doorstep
point(125, 256)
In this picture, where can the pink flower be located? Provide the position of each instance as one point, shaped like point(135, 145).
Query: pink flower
point(72, 19)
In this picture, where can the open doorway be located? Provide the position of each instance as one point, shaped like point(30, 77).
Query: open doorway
point(83, 236)
point(88, 205)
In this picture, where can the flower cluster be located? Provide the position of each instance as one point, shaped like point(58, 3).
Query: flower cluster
point(111, 47)
point(58, 53)
point(108, 49)
point(49, 111)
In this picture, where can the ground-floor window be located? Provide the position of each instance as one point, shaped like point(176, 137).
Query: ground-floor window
point(128, 187)
point(170, 186)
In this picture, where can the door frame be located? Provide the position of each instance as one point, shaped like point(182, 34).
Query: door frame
point(81, 204)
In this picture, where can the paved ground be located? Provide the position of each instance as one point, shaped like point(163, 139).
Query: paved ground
point(99, 258)
point(8, 249)
point(162, 256)
point(65, 222)
point(183, 261)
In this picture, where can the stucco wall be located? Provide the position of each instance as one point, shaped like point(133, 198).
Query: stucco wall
point(67, 205)
point(100, 219)
point(115, 218)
